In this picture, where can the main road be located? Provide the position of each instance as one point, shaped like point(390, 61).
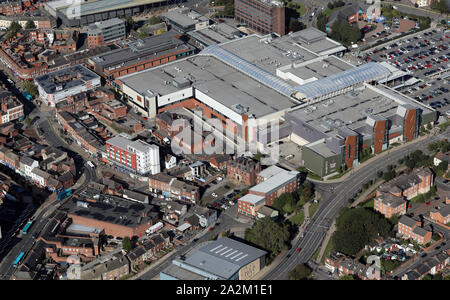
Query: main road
point(335, 196)
point(26, 242)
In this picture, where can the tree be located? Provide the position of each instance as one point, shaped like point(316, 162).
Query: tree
point(357, 227)
point(142, 34)
point(440, 5)
point(154, 20)
point(442, 167)
point(30, 25)
point(347, 277)
point(389, 175)
point(129, 23)
point(126, 244)
point(14, 27)
point(300, 272)
point(345, 33)
point(295, 25)
point(30, 88)
point(269, 235)
point(285, 203)
point(27, 121)
point(322, 20)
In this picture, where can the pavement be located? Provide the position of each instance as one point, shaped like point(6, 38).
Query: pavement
point(335, 196)
point(377, 157)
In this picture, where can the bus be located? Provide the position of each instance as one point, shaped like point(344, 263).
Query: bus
point(27, 96)
point(64, 194)
point(27, 226)
point(18, 259)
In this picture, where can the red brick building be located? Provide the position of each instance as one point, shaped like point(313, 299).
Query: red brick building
point(410, 228)
point(389, 205)
point(262, 16)
point(243, 170)
point(173, 188)
point(275, 186)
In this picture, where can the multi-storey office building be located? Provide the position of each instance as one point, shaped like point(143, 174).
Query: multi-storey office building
point(56, 86)
point(133, 156)
point(263, 16)
point(106, 32)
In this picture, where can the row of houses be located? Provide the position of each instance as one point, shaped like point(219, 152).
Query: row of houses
point(391, 197)
point(50, 168)
point(432, 265)
point(411, 229)
point(273, 182)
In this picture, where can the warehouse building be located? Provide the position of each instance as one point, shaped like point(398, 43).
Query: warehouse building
point(222, 259)
point(117, 216)
point(58, 85)
point(82, 13)
point(140, 55)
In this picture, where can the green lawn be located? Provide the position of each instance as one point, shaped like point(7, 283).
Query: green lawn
point(298, 218)
point(316, 254)
point(328, 12)
point(312, 208)
point(327, 251)
point(368, 204)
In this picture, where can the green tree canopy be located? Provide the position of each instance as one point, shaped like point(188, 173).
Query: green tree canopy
point(30, 88)
point(30, 25)
point(126, 244)
point(154, 20)
point(345, 33)
point(440, 5)
point(300, 272)
point(358, 227)
point(269, 235)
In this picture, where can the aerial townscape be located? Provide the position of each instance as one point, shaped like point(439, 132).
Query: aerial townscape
point(224, 140)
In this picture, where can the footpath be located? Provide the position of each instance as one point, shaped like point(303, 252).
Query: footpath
point(378, 156)
point(280, 257)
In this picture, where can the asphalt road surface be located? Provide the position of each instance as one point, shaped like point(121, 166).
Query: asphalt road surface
point(334, 198)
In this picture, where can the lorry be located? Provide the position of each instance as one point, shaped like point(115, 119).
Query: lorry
point(154, 228)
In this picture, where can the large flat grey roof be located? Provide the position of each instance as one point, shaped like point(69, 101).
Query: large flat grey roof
point(150, 47)
point(49, 81)
point(184, 16)
point(275, 181)
point(95, 6)
point(224, 257)
point(214, 78)
point(352, 109)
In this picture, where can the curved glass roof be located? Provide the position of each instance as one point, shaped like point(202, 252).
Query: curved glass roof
point(250, 69)
point(367, 72)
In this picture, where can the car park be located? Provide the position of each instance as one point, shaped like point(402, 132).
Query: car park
point(423, 56)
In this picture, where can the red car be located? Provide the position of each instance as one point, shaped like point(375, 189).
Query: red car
point(298, 250)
